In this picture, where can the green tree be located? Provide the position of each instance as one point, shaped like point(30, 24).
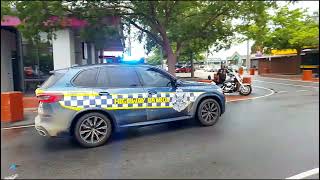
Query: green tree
point(194, 25)
point(174, 25)
point(286, 29)
point(292, 29)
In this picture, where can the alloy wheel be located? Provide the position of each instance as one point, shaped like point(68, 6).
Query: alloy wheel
point(93, 129)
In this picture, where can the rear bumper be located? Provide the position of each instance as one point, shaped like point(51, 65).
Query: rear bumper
point(49, 127)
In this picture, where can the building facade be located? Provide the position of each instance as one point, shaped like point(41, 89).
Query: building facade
point(25, 65)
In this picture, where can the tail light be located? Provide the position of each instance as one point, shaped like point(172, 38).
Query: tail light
point(49, 97)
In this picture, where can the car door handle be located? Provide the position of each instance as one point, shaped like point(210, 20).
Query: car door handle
point(104, 93)
point(152, 92)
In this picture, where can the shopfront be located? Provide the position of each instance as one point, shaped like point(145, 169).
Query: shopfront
point(25, 65)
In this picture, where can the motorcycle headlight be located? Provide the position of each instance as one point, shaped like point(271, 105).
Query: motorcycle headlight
point(219, 90)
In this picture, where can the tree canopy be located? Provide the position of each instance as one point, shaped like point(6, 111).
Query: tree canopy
point(286, 29)
point(176, 26)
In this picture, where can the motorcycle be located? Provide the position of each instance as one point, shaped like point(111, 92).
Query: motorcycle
point(234, 83)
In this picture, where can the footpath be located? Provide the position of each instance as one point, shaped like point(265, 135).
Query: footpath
point(290, 77)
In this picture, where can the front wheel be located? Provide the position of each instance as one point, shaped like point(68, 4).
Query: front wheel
point(208, 112)
point(245, 90)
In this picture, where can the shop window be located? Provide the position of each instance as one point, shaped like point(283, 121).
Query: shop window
point(37, 63)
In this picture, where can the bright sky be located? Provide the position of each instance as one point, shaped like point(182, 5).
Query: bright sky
point(137, 47)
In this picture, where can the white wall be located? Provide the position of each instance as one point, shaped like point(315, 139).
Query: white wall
point(63, 49)
point(8, 44)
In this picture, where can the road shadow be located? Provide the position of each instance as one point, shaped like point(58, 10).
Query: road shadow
point(68, 143)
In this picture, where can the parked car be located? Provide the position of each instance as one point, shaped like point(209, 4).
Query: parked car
point(211, 68)
point(90, 102)
point(184, 69)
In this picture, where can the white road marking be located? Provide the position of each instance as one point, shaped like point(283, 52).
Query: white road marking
point(272, 92)
point(287, 84)
point(301, 90)
point(305, 174)
point(290, 80)
point(18, 127)
point(282, 92)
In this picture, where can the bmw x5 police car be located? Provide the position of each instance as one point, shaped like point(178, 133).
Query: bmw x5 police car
point(90, 102)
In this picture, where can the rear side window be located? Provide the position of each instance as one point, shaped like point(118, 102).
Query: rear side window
point(52, 79)
point(86, 78)
point(118, 77)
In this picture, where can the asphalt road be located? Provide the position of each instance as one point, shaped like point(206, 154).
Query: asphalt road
point(271, 137)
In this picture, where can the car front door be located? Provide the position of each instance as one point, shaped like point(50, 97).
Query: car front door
point(120, 89)
point(160, 91)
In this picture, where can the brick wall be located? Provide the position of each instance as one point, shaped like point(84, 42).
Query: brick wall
point(281, 65)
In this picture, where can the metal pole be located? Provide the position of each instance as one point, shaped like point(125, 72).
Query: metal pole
point(248, 63)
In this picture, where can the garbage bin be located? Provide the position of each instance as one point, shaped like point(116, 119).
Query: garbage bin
point(241, 70)
point(307, 75)
point(252, 71)
point(246, 80)
point(11, 106)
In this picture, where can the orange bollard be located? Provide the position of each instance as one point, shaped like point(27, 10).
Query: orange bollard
point(241, 71)
point(252, 70)
point(307, 75)
point(11, 106)
point(246, 80)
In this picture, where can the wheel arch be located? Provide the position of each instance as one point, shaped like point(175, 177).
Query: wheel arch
point(208, 96)
point(86, 111)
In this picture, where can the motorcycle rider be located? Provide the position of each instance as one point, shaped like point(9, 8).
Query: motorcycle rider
point(222, 74)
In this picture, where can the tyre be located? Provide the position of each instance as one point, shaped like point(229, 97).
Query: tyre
point(245, 90)
point(208, 112)
point(92, 129)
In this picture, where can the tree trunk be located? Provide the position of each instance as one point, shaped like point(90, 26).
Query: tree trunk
point(192, 68)
point(170, 56)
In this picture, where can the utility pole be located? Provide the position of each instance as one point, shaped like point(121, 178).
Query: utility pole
point(248, 63)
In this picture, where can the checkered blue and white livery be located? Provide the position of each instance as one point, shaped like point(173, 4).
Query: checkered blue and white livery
point(108, 101)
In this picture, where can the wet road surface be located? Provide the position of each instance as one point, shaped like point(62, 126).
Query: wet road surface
point(271, 137)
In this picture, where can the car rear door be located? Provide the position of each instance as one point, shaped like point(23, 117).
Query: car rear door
point(160, 91)
point(121, 94)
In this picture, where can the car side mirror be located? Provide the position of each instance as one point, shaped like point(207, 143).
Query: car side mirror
point(176, 82)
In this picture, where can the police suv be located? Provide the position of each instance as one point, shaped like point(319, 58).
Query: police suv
point(90, 102)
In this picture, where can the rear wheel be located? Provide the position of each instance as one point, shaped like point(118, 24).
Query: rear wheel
point(208, 112)
point(92, 129)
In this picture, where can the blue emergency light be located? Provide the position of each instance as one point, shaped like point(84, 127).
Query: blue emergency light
point(132, 59)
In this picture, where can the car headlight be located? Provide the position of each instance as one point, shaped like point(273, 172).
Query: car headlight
point(219, 90)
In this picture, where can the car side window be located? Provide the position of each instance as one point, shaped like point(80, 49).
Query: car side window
point(86, 78)
point(118, 77)
point(152, 77)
